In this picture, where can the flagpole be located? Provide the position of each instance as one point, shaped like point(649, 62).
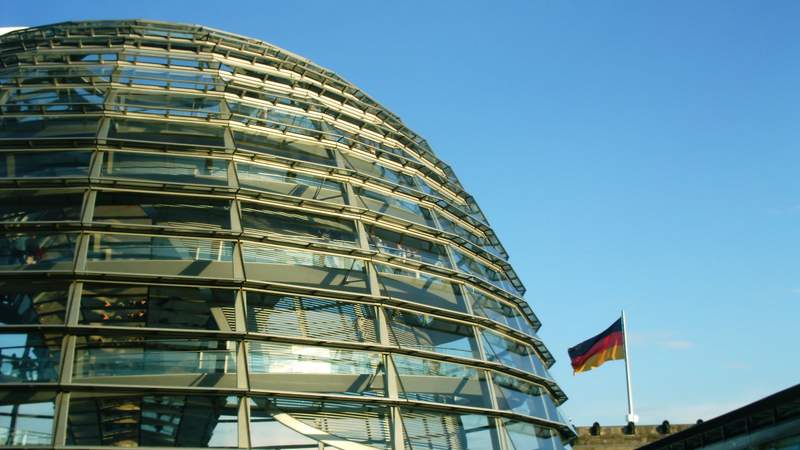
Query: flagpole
point(631, 416)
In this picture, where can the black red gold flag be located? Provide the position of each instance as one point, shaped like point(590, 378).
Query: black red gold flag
point(606, 346)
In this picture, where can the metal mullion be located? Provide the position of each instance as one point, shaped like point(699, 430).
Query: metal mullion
point(243, 421)
point(60, 419)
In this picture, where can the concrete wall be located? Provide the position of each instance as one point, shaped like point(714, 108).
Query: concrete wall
point(614, 437)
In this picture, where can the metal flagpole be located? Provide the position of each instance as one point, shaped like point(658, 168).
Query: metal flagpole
point(631, 416)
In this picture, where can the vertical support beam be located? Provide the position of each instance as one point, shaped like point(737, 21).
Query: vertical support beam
point(243, 418)
point(241, 365)
point(60, 419)
point(73, 304)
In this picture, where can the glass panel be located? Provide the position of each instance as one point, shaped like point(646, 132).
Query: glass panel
point(119, 420)
point(452, 227)
point(293, 184)
point(283, 265)
point(282, 423)
point(430, 430)
point(317, 318)
point(485, 306)
point(167, 104)
point(59, 164)
point(512, 353)
point(37, 251)
point(26, 418)
point(29, 357)
point(24, 302)
point(306, 368)
point(441, 382)
point(165, 168)
point(527, 436)
point(183, 79)
point(162, 210)
point(295, 224)
point(60, 75)
point(376, 170)
point(394, 206)
point(167, 132)
point(40, 206)
point(33, 100)
point(474, 267)
point(419, 287)
point(140, 360)
point(33, 127)
point(522, 397)
point(294, 150)
point(405, 246)
point(424, 332)
point(153, 306)
point(160, 255)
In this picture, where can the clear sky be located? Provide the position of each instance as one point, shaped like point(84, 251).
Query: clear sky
point(639, 155)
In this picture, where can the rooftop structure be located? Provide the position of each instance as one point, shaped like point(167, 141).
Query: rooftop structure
point(211, 242)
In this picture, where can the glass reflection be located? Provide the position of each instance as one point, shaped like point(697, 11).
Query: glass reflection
point(283, 265)
point(137, 360)
point(18, 206)
point(59, 164)
point(527, 436)
point(307, 368)
point(431, 430)
point(520, 396)
point(29, 357)
point(286, 182)
point(425, 332)
point(317, 318)
point(260, 218)
point(26, 418)
point(405, 246)
point(282, 423)
point(24, 302)
point(512, 353)
point(419, 287)
point(165, 168)
point(394, 206)
point(162, 210)
point(155, 306)
point(486, 306)
point(37, 251)
point(118, 420)
point(441, 382)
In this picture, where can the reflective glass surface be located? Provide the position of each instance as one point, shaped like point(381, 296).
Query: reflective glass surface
point(26, 418)
point(29, 357)
point(287, 223)
point(289, 183)
point(441, 382)
point(425, 332)
point(112, 419)
point(37, 251)
point(152, 306)
point(27, 302)
point(316, 318)
point(140, 360)
point(431, 430)
point(310, 368)
point(162, 210)
point(22, 206)
point(165, 168)
point(419, 287)
point(277, 423)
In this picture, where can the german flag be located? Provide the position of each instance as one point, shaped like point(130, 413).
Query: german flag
point(606, 346)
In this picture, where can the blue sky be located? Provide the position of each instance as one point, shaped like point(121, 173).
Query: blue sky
point(639, 155)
